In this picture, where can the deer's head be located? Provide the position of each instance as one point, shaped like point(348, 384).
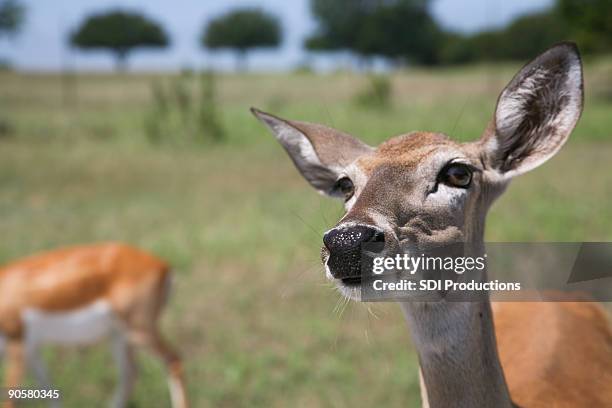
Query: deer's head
point(423, 187)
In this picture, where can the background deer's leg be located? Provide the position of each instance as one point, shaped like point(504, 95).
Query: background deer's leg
point(36, 363)
point(153, 340)
point(123, 353)
point(15, 367)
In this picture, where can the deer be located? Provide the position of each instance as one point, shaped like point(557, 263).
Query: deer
point(424, 187)
point(82, 294)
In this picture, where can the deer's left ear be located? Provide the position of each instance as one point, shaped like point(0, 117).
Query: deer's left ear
point(536, 112)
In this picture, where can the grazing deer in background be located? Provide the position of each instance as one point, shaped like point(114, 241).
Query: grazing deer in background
point(79, 295)
point(424, 188)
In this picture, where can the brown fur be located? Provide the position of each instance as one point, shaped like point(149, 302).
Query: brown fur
point(405, 150)
point(555, 354)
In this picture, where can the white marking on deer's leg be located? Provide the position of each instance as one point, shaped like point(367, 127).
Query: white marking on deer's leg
point(177, 392)
point(153, 341)
point(176, 383)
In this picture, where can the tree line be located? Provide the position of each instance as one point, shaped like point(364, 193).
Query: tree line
point(402, 31)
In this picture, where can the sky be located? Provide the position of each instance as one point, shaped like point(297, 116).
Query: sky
point(42, 43)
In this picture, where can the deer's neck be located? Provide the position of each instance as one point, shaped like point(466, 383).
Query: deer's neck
point(457, 353)
point(457, 349)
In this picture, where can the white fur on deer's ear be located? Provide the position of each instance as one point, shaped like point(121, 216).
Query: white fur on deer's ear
point(320, 153)
point(536, 112)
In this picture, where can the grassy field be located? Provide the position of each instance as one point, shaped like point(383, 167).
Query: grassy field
point(251, 312)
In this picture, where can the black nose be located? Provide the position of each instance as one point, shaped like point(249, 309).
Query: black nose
point(345, 245)
point(348, 238)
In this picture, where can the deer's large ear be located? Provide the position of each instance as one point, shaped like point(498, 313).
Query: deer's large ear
point(536, 112)
point(320, 153)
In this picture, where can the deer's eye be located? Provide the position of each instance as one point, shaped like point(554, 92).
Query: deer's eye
point(344, 188)
point(456, 175)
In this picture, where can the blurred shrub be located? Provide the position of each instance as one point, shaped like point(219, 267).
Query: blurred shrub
point(178, 116)
point(276, 103)
point(6, 128)
point(187, 70)
point(208, 115)
point(376, 94)
point(5, 65)
point(601, 84)
point(179, 89)
point(100, 130)
point(154, 125)
point(303, 68)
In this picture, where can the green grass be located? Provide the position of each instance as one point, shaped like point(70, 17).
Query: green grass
point(251, 312)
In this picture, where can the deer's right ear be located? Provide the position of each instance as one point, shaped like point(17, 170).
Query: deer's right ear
point(320, 153)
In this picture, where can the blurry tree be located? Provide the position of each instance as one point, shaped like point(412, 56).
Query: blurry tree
point(397, 29)
point(523, 39)
point(337, 22)
point(529, 35)
point(12, 14)
point(590, 22)
point(242, 30)
point(461, 49)
point(119, 32)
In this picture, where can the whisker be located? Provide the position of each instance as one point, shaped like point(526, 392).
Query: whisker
point(327, 224)
point(460, 115)
point(288, 285)
point(313, 229)
point(337, 306)
point(371, 313)
point(344, 306)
